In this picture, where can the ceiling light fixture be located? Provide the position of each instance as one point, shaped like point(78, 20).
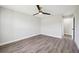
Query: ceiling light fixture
point(40, 13)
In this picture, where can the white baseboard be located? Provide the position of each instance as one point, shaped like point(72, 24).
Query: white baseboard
point(67, 34)
point(52, 36)
point(17, 39)
point(24, 38)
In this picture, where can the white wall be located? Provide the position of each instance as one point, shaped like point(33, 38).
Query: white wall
point(52, 26)
point(77, 28)
point(6, 26)
point(68, 26)
point(15, 25)
point(0, 23)
point(26, 25)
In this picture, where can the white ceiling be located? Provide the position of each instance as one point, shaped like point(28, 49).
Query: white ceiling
point(53, 9)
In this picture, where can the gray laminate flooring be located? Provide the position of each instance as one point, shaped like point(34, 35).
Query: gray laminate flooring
point(41, 44)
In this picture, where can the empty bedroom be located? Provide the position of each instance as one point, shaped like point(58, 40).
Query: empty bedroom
point(39, 28)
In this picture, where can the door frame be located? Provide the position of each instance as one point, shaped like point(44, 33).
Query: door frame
point(74, 23)
point(73, 28)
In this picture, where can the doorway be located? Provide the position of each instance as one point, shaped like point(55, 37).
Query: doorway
point(69, 28)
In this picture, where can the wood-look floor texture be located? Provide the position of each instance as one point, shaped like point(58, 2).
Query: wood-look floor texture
point(41, 44)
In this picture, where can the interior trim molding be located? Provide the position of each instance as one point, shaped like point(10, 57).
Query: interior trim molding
point(58, 37)
point(67, 34)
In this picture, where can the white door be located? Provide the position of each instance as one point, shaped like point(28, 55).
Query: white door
point(72, 27)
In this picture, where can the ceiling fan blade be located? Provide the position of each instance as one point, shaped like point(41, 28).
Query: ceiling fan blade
point(40, 11)
point(35, 14)
point(46, 13)
point(38, 7)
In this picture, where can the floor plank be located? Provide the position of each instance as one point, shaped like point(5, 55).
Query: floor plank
point(41, 44)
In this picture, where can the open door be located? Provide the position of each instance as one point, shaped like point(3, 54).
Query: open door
point(69, 28)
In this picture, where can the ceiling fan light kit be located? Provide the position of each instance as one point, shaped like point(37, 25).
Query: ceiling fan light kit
point(40, 13)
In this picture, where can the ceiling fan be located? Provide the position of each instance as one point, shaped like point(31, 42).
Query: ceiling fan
point(40, 11)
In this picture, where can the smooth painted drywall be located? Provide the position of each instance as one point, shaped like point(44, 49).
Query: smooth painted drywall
point(0, 22)
point(6, 26)
point(26, 25)
point(52, 26)
point(77, 27)
point(15, 25)
point(68, 26)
